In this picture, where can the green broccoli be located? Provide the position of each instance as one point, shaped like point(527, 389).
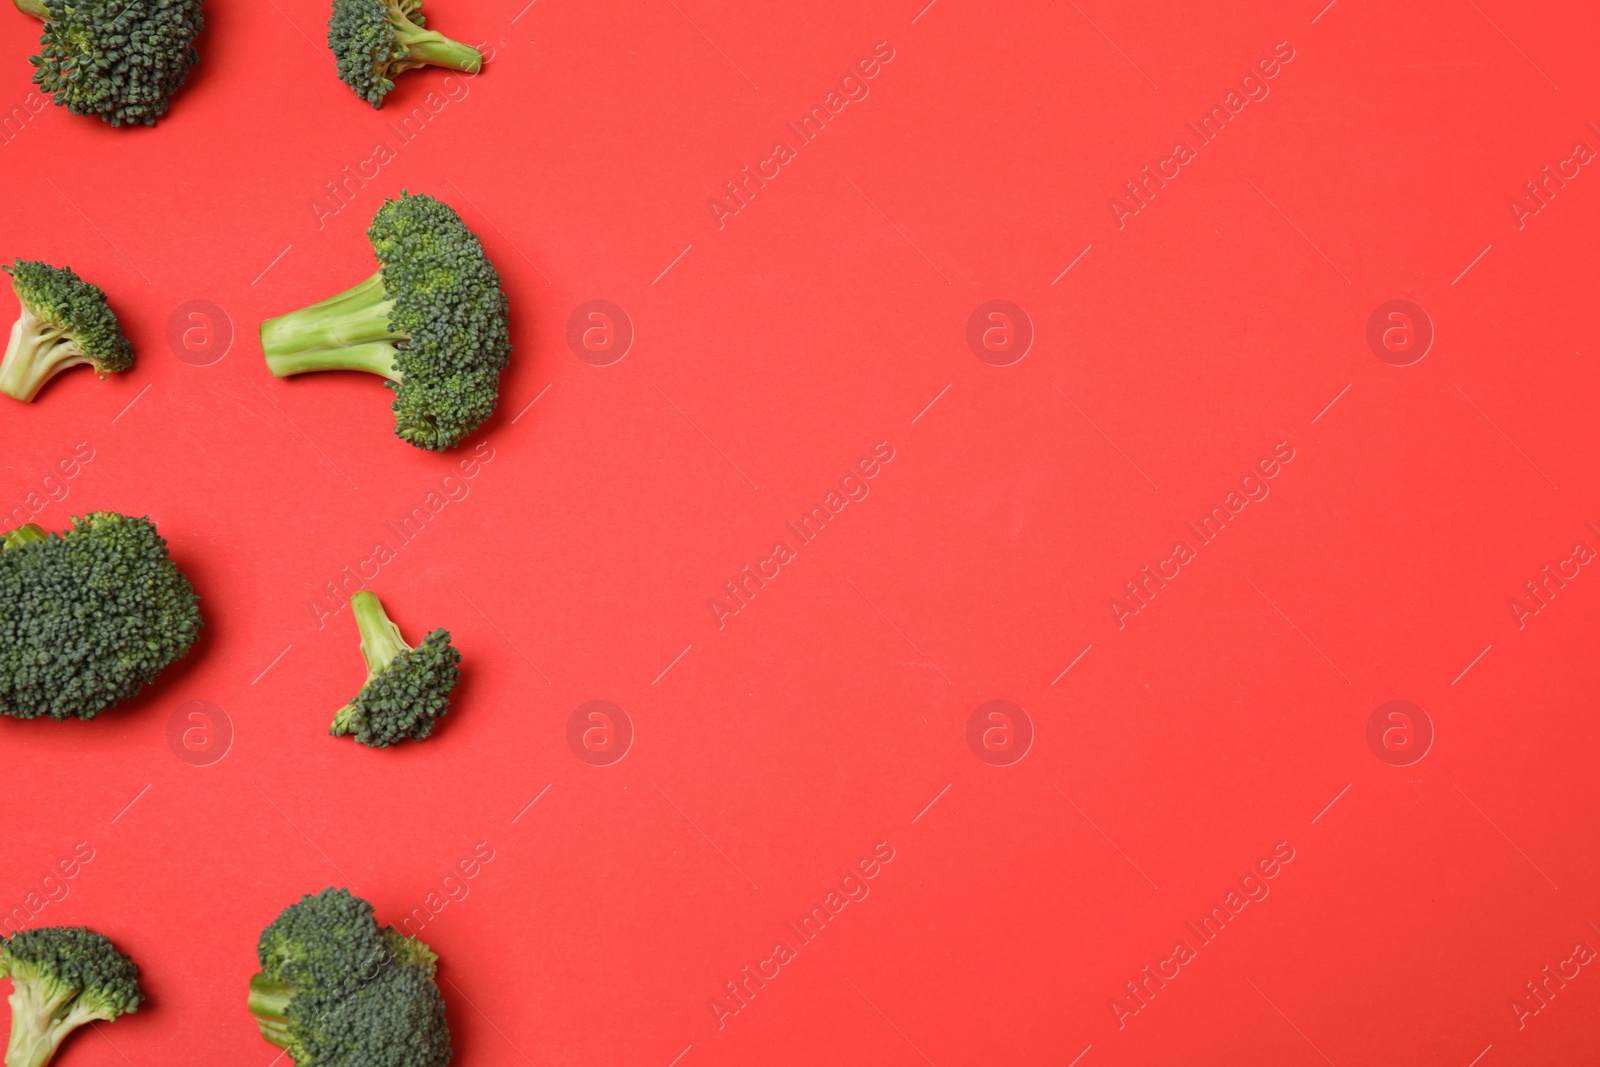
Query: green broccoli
point(89, 617)
point(407, 689)
point(65, 321)
point(61, 978)
point(119, 60)
point(432, 320)
point(374, 40)
point(337, 991)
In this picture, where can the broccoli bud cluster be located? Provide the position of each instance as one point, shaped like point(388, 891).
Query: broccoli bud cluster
point(89, 617)
point(61, 978)
point(120, 60)
point(374, 40)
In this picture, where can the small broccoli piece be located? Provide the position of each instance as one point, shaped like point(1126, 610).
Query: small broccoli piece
point(432, 320)
point(65, 321)
point(118, 59)
point(335, 990)
point(89, 617)
point(407, 689)
point(61, 978)
point(374, 40)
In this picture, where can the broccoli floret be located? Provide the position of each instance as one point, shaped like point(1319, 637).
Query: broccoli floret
point(432, 321)
point(335, 990)
point(119, 59)
point(407, 689)
point(89, 617)
point(65, 321)
point(374, 40)
point(61, 978)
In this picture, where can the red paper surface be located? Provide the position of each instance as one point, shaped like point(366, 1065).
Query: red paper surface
point(774, 354)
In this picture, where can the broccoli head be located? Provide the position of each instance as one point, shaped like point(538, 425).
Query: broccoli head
point(407, 689)
point(335, 990)
point(432, 321)
point(89, 617)
point(118, 59)
point(374, 40)
point(65, 321)
point(61, 978)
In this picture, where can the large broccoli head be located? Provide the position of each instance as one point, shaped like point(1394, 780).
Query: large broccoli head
point(432, 320)
point(65, 321)
point(407, 689)
point(61, 978)
point(89, 617)
point(335, 990)
point(374, 40)
point(118, 59)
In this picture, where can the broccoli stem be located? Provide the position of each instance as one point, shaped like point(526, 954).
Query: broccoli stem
point(35, 8)
point(36, 353)
point(380, 638)
point(23, 535)
point(441, 51)
point(38, 1025)
point(348, 331)
point(269, 1004)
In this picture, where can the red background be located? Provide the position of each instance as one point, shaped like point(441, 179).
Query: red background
point(770, 355)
